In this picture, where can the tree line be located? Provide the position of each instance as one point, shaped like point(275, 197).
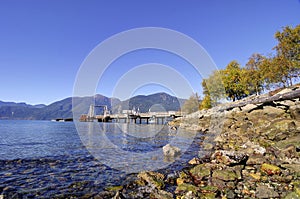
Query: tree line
point(261, 73)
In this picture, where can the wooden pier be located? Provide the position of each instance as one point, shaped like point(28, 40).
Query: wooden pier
point(130, 117)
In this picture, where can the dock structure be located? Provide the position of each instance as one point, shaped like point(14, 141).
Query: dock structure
point(130, 117)
point(90, 117)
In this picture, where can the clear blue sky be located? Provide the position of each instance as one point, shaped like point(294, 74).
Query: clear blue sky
point(44, 42)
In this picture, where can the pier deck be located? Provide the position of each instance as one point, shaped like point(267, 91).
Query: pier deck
point(129, 117)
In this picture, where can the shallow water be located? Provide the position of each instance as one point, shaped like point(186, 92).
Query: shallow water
point(46, 159)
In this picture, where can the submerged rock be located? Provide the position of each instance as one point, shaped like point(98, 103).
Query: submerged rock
point(171, 151)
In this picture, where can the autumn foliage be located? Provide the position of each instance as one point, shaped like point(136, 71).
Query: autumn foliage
point(261, 73)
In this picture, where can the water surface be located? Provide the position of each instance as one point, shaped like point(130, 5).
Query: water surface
point(46, 159)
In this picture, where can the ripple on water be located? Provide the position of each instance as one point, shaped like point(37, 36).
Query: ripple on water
point(48, 159)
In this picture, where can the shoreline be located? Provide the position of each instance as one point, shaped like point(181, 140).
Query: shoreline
point(250, 150)
point(246, 151)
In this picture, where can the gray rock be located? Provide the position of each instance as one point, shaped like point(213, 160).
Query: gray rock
point(286, 103)
point(295, 112)
point(161, 194)
point(249, 107)
point(229, 157)
point(264, 191)
point(171, 151)
point(254, 148)
point(286, 90)
point(256, 159)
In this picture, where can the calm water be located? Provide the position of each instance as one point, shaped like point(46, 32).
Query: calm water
point(45, 159)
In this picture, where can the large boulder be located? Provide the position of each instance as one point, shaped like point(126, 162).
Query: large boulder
point(280, 129)
point(262, 115)
point(199, 172)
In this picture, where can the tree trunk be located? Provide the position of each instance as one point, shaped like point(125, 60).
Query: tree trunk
point(277, 97)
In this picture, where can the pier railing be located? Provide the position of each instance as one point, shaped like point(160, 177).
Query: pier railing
point(150, 117)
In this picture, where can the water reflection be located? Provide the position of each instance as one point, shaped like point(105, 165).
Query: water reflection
point(130, 147)
point(52, 155)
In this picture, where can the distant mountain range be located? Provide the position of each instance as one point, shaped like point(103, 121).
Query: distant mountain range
point(22, 104)
point(63, 108)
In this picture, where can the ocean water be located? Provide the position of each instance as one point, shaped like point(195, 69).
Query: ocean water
point(47, 159)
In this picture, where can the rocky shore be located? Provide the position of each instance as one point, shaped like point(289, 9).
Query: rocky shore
point(250, 149)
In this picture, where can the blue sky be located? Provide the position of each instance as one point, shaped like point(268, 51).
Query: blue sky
point(44, 42)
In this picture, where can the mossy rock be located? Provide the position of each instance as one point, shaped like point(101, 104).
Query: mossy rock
point(297, 190)
point(200, 171)
point(179, 181)
point(294, 168)
point(296, 185)
point(265, 143)
point(114, 188)
point(280, 130)
point(153, 178)
point(140, 182)
point(270, 169)
point(255, 176)
point(184, 187)
point(292, 195)
point(209, 189)
point(225, 175)
point(208, 196)
point(295, 140)
point(183, 175)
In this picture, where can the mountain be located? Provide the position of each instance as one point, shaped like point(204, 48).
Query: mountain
point(59, 109)
point(21, 104)
point(158, 102)
point(63, 108)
